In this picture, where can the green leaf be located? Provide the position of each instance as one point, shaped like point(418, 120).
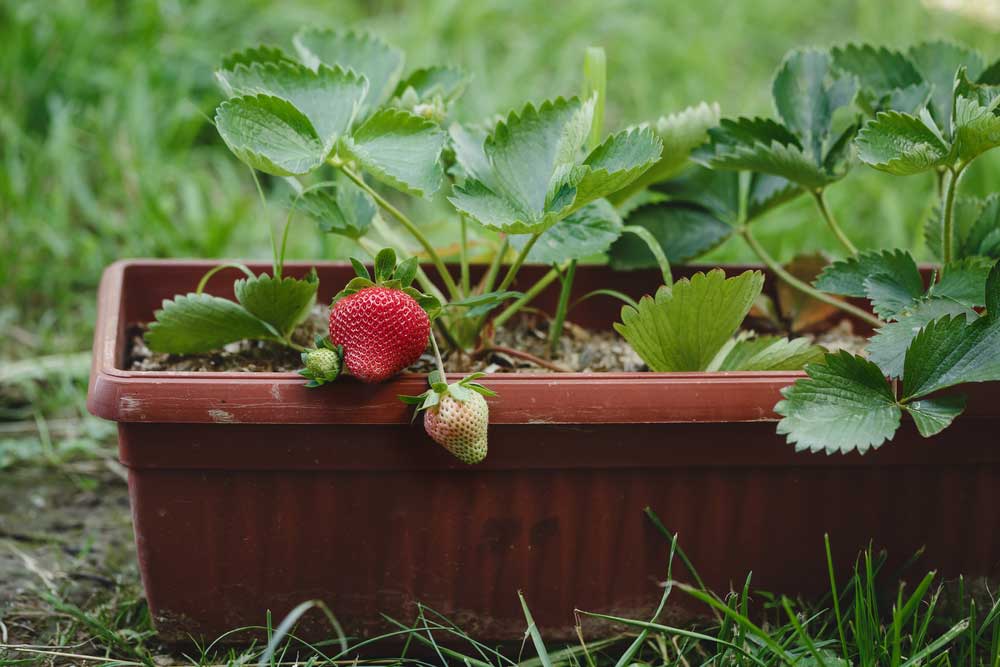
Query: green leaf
point(975, 123)
point(258, 54)
point(329, 98)
point(364, 53)
point(934, 415)
point(807, 91)
point(964, 281)
point(346, 209)
point(680, 133)
point(193, 323)
point(965, 215)
point(893, 292)
point(716, 191)
point(844, 405)
point(981, 236)
point(883, 76)
point(951, 351)
point(993, 293)
point(270, 135)
point(586, 232)
point(770, 353)
point(400, 149)
point(848, 276)
point(684, 327)
point(441, 81)
point(762, 145)
point(901, 144)
point(616, 163)
point(937, 63)
point(470, 157)
point(768, 192)
point(281, 302)
point(684, 231)
point(888, 346)
point(481, 304)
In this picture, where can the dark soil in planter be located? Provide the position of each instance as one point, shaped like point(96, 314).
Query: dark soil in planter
point(580, 350)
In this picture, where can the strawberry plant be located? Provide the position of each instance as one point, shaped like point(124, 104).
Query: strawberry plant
point(351, 133)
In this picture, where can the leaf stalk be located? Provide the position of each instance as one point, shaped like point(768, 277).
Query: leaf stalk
point(835, 227)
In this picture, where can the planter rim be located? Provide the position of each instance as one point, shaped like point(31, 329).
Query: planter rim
point(525, 398)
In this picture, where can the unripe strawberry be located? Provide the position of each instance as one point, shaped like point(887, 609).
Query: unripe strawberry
point(460, 426)
point(382, 331)
point(323, 363)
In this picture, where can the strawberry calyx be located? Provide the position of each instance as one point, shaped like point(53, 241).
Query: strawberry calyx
point(461, 391)
point(323, 364)
point(390, 275)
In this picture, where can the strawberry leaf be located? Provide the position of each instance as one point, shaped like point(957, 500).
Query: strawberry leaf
point(364, 53)
point(346, 209)
point(270, 135)
point(194, 323)
point(950, 351)
point(975, 119)
point(769, 353)
point(584, 233)
point(965, 216)
point(901, 144)
point(683, 230)
point(964, 281)
point(329, 98)
point(400, 149)
point(682, 328)
point(848, 276)
point(934, 415)
point(892, 292)
point(258, 54)
point(281, 302)
point(937, 63)
point(616, 163)
point(844, 405)
point(888, 346)
point(982, 237)
point(887, 79)
point(437, 81)
point(716, 191)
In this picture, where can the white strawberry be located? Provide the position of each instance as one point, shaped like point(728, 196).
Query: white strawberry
point(456, 415)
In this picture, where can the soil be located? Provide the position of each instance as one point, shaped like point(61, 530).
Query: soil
point(521, 347)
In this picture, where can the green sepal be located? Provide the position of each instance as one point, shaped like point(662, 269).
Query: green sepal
point(385, 263)
point(360, 270)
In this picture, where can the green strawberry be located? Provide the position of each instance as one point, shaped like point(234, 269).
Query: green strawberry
point(322, 364)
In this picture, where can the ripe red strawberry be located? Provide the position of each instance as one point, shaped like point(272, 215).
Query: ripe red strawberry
point(382, 331)
point(460, 426)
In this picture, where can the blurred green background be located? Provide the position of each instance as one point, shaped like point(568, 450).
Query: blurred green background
point(107, 150)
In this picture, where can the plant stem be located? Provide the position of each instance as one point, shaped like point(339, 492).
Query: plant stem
point(832, 222)
point(803, 286)
point(948, 208)
point(490, 277)
point(463, 256)
point(555, 329)
point(516, 266)
point(527, 356)
point(276, 264)
point(437, 352)
point(408, 224)
point(215, 269)
point(529, 295)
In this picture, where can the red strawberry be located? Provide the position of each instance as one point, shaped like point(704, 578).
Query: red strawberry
point(460, 426)
point(382, 331)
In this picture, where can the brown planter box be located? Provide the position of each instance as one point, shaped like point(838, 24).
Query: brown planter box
point(251, 493)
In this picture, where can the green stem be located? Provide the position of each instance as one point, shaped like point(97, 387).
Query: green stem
point(832, 222)
point(408, 224)
point(518, 261)
point(654, 247)
point(215, 269)
point(555, 329)
point(463, 256)
point(805, 287)
point(948, 207)
point(276, 264)
point(529, 295)
point(291, 211)
point(490, 277)
point(437, 352)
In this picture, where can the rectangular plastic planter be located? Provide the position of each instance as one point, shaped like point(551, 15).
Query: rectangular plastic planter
point(251, 493)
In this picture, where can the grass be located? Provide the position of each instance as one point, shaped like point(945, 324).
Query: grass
point(869, 620)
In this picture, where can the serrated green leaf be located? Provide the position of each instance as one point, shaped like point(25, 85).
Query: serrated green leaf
point(978, 235)
point(616, 163)
point(716, 191)
point(345, 209)
point(193, 323)
point(762, 145)
point(281, 302)
point(892, 292)
point(975, 123)
point(965, 214)
point(771, 353)
point(329, 98)
point(883, 76)
point(270, 135)
point(680, 133)
point(258, 54)
point(964, 281)
point(400, 149)
point(993, 293)
point(848, 276)
point(951, 351)
point(470, 158)
point(496, 212)
point(364, 53)
point(934, 415)
point(684, 327)
point(888, 346)
point(441, 81)
point(684, 231)
point(845, 405)
point(807, 91)
point(937, 63)
point(901, 144)
point(767, 192)
point(586, 232)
